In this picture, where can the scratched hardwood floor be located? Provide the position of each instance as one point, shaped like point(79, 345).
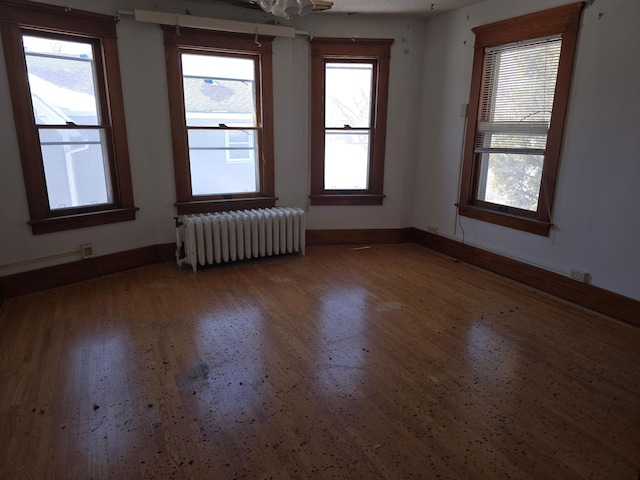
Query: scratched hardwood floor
point(391, 362)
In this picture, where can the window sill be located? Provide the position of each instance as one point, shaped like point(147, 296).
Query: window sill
point(82, 220)
point(524, 224)
point(204, 206)
point(347, 199)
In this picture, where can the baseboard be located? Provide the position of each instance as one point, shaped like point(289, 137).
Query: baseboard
point(166, 252)
point(589, 296)
point(358, 237)
point(584, 294)
point(72, 272)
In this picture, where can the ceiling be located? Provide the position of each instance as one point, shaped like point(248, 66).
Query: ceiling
point(373, 7)
point(399, 7)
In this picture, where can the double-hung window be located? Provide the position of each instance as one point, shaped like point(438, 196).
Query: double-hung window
point(520, 87)
point(348, 127)
point(64, 80)
point(220, 96)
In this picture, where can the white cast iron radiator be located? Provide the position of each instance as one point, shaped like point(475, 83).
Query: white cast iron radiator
point(212, 238)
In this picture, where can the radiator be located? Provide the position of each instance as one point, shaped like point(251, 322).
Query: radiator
point(220, 237)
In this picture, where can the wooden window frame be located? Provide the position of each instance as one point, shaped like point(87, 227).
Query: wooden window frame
point(563, 21)
point(378, 52)
point(25, 16)
point(189, 40)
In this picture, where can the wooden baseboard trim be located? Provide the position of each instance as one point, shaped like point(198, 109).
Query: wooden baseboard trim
point(362, 236)
point(72, 272)
point(595, 298)
point(166, 252)
point(589, 296)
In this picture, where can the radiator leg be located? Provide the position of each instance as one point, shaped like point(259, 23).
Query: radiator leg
point(180, 260)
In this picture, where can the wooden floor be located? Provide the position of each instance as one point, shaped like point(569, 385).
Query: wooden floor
point(390, 362)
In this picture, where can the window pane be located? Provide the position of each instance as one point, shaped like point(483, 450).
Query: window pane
point(61, 81)
point(517, 96)
point(521, 82)
point(346, 165)
point(75, 169)
point(223, 162)
point(510, 179)
point(348, 94)
point(219, 90)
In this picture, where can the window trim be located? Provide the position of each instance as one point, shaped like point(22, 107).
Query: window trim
point(324, 50)
point(562, 21)
point(189, 40)
point(36, 18)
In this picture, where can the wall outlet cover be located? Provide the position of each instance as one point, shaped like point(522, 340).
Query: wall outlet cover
point(86, 250)
point(579, 275)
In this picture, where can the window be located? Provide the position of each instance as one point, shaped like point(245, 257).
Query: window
point(220, 97)
point(519, 91)
point(64, 80)
point(350, 79)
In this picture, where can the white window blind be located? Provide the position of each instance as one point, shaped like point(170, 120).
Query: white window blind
point(517, 97)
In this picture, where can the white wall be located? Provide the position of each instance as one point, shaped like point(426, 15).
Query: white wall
point(597, 212)
point(144, 84)
point(402, 128)
point(597, 206)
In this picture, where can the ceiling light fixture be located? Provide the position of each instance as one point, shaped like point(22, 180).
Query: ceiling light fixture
point(286, 8)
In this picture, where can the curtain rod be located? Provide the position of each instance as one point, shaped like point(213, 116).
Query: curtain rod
point(209, 23)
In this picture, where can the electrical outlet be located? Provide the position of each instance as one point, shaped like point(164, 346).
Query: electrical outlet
point(579, 275)
point(432, 229)
point(86, 250)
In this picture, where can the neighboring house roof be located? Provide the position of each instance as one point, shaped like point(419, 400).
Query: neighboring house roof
point(204, 95)
point(74, 74)
point(69, 86)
